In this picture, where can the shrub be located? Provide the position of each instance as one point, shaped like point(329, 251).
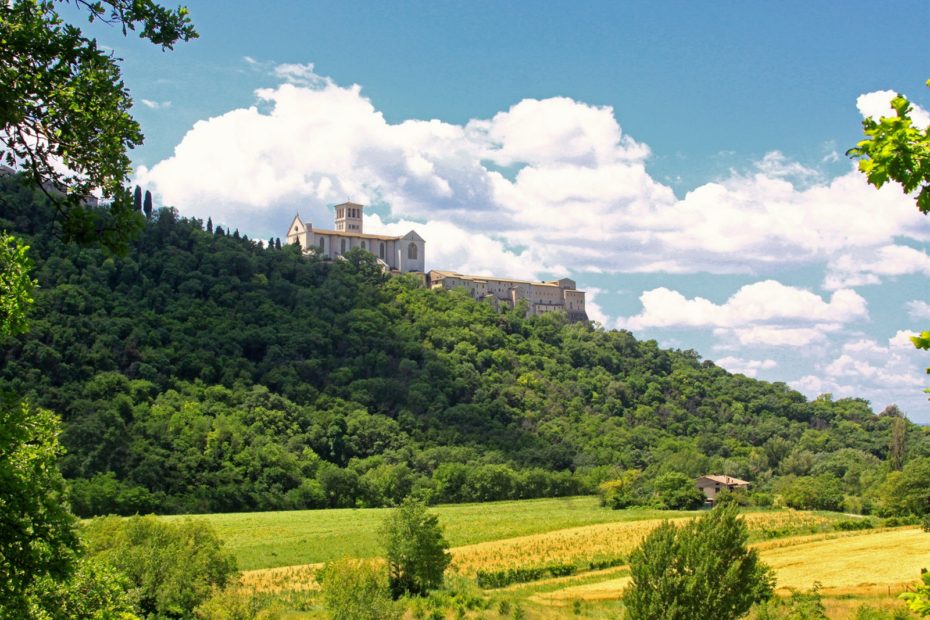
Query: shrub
point(621, 492)
point(415, 548)
point(822, 492)
point(866, 612)
point(899, 521)
point(726, 496)
point(503, 578)
point(172, 565)
point(800, 605)
point(703, 570)
point(356, 590)
point(676, 491)
point(95, 590)
point(848, 525)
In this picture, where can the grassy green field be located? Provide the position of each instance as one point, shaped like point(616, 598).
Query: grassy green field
point(271, 539)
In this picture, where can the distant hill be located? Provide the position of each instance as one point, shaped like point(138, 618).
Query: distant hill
point(205, 372)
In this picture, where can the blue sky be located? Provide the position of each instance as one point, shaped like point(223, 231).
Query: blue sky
point(683, 161)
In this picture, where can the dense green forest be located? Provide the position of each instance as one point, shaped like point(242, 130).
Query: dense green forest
point(204, 372)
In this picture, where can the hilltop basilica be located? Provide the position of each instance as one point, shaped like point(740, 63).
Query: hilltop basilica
point(398, 254)
point(408, 254)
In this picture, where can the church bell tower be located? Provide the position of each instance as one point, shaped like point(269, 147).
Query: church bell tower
point(349, 217)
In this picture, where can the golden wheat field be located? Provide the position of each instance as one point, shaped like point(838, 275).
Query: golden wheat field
point(577, 545)
point(853, 565)
point(604, 541)
point(883, 559)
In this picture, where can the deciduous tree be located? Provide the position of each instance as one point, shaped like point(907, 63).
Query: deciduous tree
point(416, 549)
point(702, 570)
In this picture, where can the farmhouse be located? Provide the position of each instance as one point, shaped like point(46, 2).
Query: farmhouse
point(397, 254)
point(541, 297)
point(711, 485)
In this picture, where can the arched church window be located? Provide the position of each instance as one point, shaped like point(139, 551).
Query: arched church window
point(381, 251)
point(412, 251)
point(342, 246)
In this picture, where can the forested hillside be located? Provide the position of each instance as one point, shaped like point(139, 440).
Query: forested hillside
point(204, 372)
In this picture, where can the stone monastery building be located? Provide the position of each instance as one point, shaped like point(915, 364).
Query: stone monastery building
point(408, 254)
point(541, 297)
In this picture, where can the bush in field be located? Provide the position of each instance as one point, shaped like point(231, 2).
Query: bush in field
point(416, 549)
point(801, 605)
point(866, 612)
point(676, 491)
point(823, 492)
point(172, 566)
point(235, 602)
point(726, 496)
point(621, 492)
point(503, 578)
point(702, 570)
point(356, 590)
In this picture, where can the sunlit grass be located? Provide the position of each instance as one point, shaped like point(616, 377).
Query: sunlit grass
point(272, 539)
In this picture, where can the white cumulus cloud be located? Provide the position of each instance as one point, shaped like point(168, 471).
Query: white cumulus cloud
point(865, 368)
point(871, 265)
point(556, 176)
point(918, 310)
point(750, 368)
point(768, 301)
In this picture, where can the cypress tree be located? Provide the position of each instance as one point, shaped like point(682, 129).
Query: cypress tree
point(209, 224)
point(236, 234)
point(147, 205)
point(219, 231)
point(137, 199)
point(277, 243)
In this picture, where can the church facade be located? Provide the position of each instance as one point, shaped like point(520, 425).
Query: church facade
point(399, 254)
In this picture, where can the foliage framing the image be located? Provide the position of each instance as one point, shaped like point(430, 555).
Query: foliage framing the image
point(16, 286)
point(919, 600)
point(64, 110)
point(895, 150)
point(37, 532)
point(702, 570)
point(173, 566)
